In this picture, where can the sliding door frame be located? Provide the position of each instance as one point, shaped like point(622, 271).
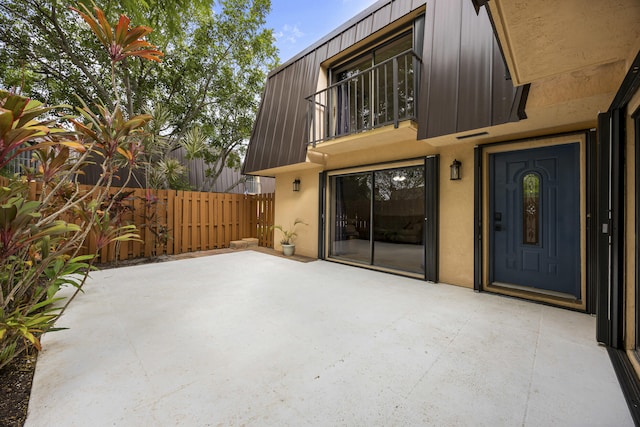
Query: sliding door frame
point(431, 220)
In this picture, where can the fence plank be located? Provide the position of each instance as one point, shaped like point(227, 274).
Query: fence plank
point(171, 196)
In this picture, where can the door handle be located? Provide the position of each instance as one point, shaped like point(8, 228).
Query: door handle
point(497, 216)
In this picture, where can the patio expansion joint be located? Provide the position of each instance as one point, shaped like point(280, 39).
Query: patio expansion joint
point(533, 366)
point(435, 362)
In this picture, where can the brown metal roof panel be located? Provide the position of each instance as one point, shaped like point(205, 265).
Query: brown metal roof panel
point(476, 55)
point(252, 149)
point(299, 83)
point(417, 3)
point(261, 143)
point(267, 124)
point(348, 38)
point(445, 68)
point(281, 121)
point(363, 28)
point(310, 68)
point(282, 139)
point(399, 8)
point(287, 119)
point(262, 125)
point(322, 54)
point(425, 72)
point(381, 17)
point(333, 46)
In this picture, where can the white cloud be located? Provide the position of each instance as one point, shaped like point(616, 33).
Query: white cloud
point(289, 34)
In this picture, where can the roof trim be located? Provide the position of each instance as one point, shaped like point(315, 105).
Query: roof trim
point(477, 4)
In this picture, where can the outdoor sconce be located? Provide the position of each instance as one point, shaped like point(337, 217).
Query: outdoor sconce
point(296, 185)
point(455, 170)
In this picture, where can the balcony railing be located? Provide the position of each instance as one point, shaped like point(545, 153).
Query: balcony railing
point(382, 95)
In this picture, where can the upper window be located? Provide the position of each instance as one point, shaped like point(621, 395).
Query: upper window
point(376, 87)
point(374, 57)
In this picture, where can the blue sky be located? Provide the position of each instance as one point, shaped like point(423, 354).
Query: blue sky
point(299, 23)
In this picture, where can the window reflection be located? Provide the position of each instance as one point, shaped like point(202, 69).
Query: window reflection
point(350, 217)
point(398, 219)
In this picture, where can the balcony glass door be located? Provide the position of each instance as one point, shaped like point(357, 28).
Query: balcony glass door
point(364, 89)
point(353, 96)
point(384, 85)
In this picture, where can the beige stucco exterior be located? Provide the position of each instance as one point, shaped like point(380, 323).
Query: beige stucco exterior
point(302, 204)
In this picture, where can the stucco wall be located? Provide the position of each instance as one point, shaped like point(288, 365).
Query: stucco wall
point(456, 217)
point(302, 204)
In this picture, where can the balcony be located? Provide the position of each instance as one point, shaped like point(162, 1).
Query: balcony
point(382, 95)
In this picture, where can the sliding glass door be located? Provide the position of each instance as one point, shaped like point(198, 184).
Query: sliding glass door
point(398, 219)
point(377, 218)
point(351, 217)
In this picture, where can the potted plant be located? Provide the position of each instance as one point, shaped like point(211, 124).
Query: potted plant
point(288, 236)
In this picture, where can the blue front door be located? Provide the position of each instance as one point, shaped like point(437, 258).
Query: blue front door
point(535, 219)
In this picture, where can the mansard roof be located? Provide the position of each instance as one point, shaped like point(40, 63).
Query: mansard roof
point(464, 83)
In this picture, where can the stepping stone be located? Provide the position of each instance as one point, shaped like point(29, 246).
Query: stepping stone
point(238, 244)
point(251, 241)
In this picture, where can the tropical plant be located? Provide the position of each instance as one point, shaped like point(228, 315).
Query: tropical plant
point(161, 232)
point(289, 234)
point(41, 235)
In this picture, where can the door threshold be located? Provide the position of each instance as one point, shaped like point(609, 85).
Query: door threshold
point(546, 292)
point(413, 275)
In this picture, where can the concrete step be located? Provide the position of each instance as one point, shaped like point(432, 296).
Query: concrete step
point(251, 241)
point(238, 244)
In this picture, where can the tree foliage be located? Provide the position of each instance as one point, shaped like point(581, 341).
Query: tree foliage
point(217, 55)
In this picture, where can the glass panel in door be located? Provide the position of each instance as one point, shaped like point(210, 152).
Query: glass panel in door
point(352, 96)
point(350, 217)
point(398, 219)
point(383, 80)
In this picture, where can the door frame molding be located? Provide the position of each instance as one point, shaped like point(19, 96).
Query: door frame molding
point(482, 251)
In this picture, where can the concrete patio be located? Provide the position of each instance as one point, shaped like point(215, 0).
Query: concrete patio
point(246, 338)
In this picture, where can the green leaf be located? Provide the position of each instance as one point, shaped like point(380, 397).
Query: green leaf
point(6, 122)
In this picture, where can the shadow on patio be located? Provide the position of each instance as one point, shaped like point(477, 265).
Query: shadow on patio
point(246, 338)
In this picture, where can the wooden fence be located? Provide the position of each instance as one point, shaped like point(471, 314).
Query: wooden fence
point(193, 221)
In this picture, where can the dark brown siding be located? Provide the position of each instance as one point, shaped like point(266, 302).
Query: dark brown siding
point(463, 84)
point(279, 136)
